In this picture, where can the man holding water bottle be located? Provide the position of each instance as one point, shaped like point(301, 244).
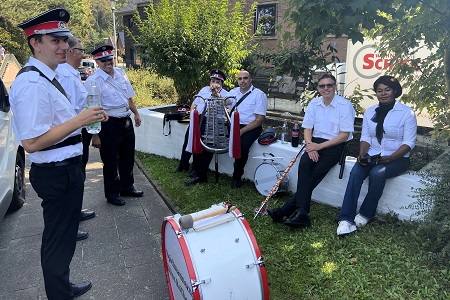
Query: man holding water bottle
point(116, 138)
point(49, 129)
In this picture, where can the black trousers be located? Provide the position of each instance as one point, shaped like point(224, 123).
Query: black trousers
point(310, 174)
point(247, 140)
point(87, 137)
point(61, 190)
point(117, 154)
point(185, 156)
point(201, 161)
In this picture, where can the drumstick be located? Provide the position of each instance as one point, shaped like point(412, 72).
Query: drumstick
point(275, 187)
point(187, 221)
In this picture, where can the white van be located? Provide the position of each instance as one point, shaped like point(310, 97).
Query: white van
point(89, 63)
point(12, 160)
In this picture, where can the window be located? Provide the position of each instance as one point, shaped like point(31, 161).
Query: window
point(265, 19)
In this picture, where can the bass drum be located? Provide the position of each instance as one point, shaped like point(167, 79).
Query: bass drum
point(267, 175)
point(216, 259)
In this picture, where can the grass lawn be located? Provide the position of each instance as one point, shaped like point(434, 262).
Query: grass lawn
point(383, 260)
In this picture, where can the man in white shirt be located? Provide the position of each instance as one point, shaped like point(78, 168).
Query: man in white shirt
point(49, 130)
point(116, 138)
point(252, 113)
point(328, 124)
point(70, 79)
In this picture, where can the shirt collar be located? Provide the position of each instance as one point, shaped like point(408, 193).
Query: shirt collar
point(46, 70)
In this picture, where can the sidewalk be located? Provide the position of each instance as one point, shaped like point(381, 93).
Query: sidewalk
point(122, 256)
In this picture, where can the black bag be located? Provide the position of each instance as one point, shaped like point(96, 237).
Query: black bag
point(181, 114)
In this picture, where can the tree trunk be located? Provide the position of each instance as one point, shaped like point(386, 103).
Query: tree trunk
point(447, 73)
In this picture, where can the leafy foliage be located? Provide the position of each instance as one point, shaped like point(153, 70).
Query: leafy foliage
point(417, 25)
point(91, 21)
point(183, 40)
point(433, 203)
point(151, 89)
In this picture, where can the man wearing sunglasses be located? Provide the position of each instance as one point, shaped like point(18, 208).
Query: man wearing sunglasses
point(70, 79)
point(116, 139)
point(328, 124)
point(252, 112)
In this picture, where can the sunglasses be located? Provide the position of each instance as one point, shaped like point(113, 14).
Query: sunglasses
point(80, 49)
point(328, 86)
point(245, 78)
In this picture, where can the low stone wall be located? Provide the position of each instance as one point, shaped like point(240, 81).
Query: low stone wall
point(397, 194)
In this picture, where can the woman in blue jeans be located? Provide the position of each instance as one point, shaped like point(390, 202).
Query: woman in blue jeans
point(388, 135)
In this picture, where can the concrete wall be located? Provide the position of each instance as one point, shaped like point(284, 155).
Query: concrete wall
point(397, 194)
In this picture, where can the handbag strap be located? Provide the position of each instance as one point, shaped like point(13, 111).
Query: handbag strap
point(54, 81)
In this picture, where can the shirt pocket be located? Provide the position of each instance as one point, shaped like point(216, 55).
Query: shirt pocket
point(63, 108)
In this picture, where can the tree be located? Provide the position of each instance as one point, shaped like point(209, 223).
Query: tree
point(183, 40)
point(413, 25)
point(403, 24)
point(91, 21)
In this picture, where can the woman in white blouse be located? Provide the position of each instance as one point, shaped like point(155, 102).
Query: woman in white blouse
point(388, 135)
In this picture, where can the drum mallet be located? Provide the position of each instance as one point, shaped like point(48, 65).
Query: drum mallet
point(187, 221)
point(275, 187)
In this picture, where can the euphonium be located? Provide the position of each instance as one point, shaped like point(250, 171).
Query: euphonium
point(216, 135)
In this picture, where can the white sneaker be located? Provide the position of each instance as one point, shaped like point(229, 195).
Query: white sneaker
point(361, 221)
point(345, 227)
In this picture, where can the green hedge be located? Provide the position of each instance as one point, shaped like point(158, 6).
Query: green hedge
point(151, 89)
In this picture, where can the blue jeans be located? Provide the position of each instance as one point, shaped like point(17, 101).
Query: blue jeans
point(378, 173)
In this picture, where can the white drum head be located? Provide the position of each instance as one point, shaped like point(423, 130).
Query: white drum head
point(266, 175)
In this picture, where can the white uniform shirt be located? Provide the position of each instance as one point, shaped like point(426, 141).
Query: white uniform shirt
point(254, 104)
point(400, 127)
point(205, 92)
point(70, 80)
point(328, 121)
point(37, 106)
point(114, 92)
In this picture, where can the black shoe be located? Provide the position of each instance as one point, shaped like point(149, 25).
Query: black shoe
point(132, 193)
point(86, 215)
point(82, 235)
point(298, 220)
point(236, 183)
point(195, 180)
point(180, 169)
point(276, 214)
point(192, 173)
point(116, 201)
point(80, 288)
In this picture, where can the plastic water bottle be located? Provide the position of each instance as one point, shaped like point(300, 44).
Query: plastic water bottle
point(283, 137)
point(93, 99)
point(295, 134)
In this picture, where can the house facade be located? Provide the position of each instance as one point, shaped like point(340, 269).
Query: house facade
point(268, 13)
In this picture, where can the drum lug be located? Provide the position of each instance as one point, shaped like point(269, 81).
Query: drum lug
point(195, 284)
point(259, 262)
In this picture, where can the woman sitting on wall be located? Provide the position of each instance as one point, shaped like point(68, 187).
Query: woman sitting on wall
point(388, 135)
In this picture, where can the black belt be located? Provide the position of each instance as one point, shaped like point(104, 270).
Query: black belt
point(67, 161)
point(73, 140)
point(119, 118)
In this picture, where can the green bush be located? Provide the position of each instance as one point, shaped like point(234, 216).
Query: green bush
point(433, 203)
point(151, 89)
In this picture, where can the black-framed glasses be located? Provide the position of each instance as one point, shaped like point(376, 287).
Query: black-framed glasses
point(245, 78)
point(328, 86)
point(80, 49)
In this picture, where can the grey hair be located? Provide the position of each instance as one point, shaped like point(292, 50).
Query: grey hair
point(72, 41)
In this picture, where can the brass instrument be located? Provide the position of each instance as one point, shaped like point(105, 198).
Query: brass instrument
point(216, 135)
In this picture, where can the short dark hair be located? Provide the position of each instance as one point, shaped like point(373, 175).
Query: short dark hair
point(37, 37)
point(327, 75)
